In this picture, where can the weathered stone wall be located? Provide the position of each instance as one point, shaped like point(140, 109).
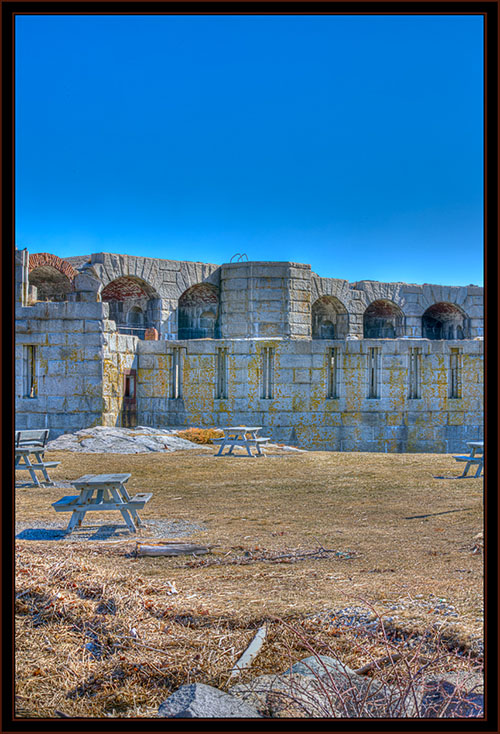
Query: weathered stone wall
point(300, 410)
point(69, 339)
point(82, 360)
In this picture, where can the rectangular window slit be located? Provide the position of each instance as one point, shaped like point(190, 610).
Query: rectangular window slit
point(374, 372)
point(30, 371)
point(176, 377)
point(415, 357)
point(221, 386)
point(333, 369)
point(267, 373)
point(455, 373)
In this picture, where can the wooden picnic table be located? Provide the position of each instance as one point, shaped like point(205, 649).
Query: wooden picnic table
point(244, 436)
point(103, 493)
point(476, 456)
point(32, 443)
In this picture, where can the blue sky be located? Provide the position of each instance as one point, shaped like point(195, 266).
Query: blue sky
point(353, 143)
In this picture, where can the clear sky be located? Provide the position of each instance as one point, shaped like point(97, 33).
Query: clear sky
point(353, 143)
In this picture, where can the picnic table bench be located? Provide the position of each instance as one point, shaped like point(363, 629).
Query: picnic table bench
point(476, 456)
point(102, 493)
point(244, 436)
point(32, 443)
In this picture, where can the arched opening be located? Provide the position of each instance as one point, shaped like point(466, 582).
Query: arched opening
point(198, 312)
point(135, 317)
point(51, 284)
point(445, 321)
point(133, 305)
point(383, 320)
point(330, 319)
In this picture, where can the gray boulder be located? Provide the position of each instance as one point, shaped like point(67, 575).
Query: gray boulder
point(291, 696)
point(199, 701)
point(452, 695)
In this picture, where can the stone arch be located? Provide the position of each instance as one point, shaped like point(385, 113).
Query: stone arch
point(198, 312)
point(383, 319)
point(50, 278)
point(131, 300)
point(445, 320)
point(330, 319)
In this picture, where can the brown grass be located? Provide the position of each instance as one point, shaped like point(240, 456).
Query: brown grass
point(402, 524)
point(200, 435)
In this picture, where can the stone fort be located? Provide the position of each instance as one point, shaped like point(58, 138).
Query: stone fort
point(322, 363)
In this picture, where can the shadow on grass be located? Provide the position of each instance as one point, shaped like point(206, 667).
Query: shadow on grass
point(89, 532)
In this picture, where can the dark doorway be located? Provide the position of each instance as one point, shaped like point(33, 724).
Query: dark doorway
point(129, 406)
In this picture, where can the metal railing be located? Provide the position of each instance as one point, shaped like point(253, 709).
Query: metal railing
point(139, 331)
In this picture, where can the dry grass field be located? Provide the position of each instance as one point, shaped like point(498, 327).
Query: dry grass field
point(100, 633)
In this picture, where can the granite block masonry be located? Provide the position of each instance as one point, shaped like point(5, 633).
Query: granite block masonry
point(318, 362)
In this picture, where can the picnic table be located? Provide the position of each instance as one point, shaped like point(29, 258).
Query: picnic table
point(32, 444)
point(102, 493)
point(244, 436)
point(476, 456)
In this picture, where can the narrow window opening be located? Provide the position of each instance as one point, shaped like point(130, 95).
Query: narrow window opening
point(373, 372)
point(455, 374)
point(221, 389)
point(129, 391)
point(267, 373)
point(414, 373)
point(30, 381)
point(176, 379)
point(332, 386)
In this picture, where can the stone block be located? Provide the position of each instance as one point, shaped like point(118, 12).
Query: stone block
point(373, 419)
point(35, 338)
point(60, 386)
point(295, 360)
point(271, 270)
point(93, 326)
point(92, 386)
point(56, 368)
point(301, 375)
point(30, 419)
point(73, 325)
point(456, 418)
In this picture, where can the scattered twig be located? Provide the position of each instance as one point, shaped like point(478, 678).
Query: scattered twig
point(377, 663)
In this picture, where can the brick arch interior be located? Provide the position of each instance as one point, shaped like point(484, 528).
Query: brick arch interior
point(51, 276)
point(330, 319)
point(198, 312)
point(51, 284)
point(133, 304)
point(383, 319)
point(445, 321)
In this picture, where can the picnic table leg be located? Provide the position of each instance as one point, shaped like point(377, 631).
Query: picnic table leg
point(33, 475)
point(39, 458)
point(75, 520)
point(479, 469)
point(219, 452)
point(122, 490)
point(247, 446)
point(124, 512)
point(466, 470)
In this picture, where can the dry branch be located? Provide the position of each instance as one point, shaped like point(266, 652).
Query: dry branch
point(251, 652)
point(169, 549)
